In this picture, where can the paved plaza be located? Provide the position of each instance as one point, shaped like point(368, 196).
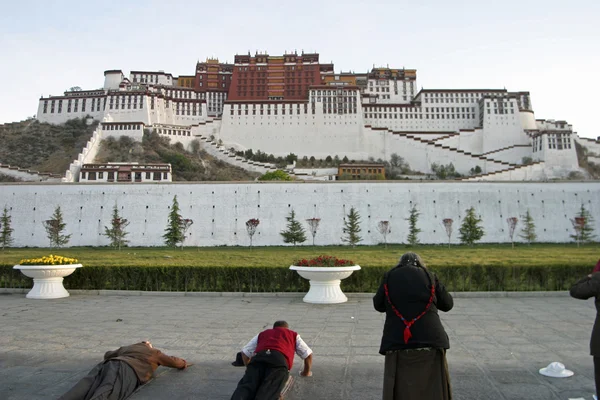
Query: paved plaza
point(498, 344)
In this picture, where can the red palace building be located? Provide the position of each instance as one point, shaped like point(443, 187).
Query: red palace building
point(286, 77)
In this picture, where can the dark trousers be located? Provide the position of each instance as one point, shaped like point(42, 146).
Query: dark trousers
point(111, 380)
point(264, 379)
point(597, 374)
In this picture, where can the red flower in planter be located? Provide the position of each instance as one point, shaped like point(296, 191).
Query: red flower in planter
point(324, 261)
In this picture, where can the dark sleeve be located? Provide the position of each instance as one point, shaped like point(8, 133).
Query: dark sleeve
point(445, 302)
point(379, 298)
point(112, 354)
point(586, 287)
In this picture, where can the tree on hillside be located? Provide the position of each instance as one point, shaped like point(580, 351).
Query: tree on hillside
point(413, 231)
point(583, 226)
point(277, 175)
point(5, 229)
point(117, 233)
point(471, 230)
point(397, 164)
point(528, 232)
point(294, 232)
point(444, 171)
point(352, 228)
point(384, 228)
point(177, 226)
point(55, 228)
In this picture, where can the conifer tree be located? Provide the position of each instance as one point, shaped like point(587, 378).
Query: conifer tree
point(174, 232)
point(528, 232)
point(352, 228)
point(5, 229)
point(583, 225)
point(413, 231)
point(55, 228)
point(116, 233)
point(470, 230)
point(294, 232)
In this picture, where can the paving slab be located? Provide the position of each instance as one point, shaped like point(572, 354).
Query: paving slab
point(498, 344)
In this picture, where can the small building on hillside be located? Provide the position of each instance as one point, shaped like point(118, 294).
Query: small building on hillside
point(365, 171)
point(132, 172)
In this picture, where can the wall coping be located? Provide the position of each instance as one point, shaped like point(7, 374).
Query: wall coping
point(456, 295)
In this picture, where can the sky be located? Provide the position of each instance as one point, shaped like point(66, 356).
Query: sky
point(550, 48)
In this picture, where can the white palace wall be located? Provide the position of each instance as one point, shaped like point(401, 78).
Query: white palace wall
point(220, 210)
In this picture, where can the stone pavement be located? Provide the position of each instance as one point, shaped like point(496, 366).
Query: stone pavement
point(497, 344)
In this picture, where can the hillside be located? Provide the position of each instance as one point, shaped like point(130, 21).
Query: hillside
point(196, 165)
point(43, 147)
point(51, 148)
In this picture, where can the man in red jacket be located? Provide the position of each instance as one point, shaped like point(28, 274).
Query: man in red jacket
point(121, 372)
point(269, 357)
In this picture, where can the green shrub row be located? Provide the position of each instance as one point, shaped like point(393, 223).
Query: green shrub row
point(274, 279)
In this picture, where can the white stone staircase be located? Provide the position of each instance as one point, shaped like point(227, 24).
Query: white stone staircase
point(213, 148)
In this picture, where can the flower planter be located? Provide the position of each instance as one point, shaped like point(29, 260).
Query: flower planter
point(325, 283)
point(47, 280)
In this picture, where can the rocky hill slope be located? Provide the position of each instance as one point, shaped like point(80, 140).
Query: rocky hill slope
point(43, 147)
point(51, 148)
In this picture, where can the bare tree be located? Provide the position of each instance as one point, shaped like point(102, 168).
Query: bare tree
point(512, 225)
point(313, 223)
point(448, 225)
point(578, 225)
point(384, 228)
point(185, 225)
point(251, 226)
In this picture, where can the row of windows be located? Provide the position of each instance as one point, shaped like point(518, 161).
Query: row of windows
point(559, 141)
point(449, 100)
point(129, 106)
point(122, 127)
point(268, 110)
point(95, 106)
point(223, 77)
point(488, 111)
point(174, 132)
point(337, 110)
point(124, 176)
point(419, 116)
point(472, 95)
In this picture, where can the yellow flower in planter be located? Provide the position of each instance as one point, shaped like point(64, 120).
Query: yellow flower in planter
point(49, 260)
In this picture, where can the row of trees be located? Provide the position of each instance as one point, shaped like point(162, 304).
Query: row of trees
point(470, 231)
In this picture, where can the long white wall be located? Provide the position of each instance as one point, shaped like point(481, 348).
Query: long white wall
point(220, 210)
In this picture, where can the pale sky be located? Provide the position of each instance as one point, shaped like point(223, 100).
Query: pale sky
point(550, 48)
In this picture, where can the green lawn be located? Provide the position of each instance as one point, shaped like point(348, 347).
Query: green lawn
point(366, 256)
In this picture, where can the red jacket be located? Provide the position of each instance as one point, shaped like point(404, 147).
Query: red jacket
point(281, 339)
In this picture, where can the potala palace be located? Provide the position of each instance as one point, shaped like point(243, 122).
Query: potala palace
point(295, 103)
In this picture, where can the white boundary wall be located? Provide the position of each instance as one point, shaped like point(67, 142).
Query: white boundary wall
point(220, 210)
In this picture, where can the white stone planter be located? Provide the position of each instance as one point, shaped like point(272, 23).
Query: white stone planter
point(47, 280)
point(325, 283)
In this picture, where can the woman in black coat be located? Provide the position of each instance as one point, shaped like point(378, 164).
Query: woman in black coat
point(583, 290)
point(414, 341)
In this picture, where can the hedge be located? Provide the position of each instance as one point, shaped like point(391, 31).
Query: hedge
point(281, 279)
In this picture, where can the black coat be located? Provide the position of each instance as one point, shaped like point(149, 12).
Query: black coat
point(583, 290)
point(409, 290)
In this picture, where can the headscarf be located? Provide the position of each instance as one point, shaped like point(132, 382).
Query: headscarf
point(597, 267)
point(411, 259)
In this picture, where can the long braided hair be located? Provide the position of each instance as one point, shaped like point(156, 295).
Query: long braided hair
point(411, 259)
